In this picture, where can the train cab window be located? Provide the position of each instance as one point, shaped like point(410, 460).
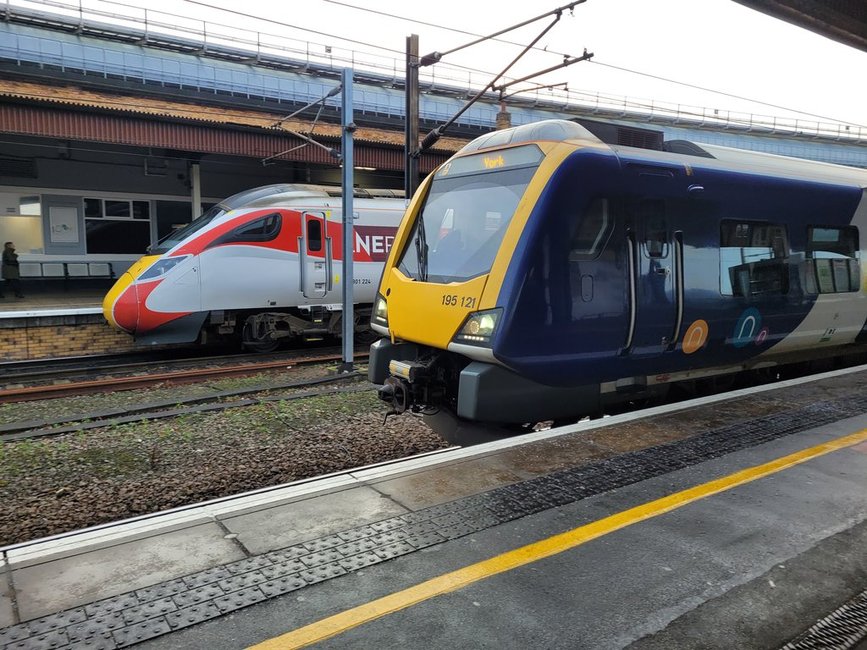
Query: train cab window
point(754, 259)
point(832, 263)
point(314, 234)
point(591, 232)
point(260, 230)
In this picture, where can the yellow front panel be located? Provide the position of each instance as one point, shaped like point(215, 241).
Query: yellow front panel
point(431, 314)
point(126, 279)
point(428, 313)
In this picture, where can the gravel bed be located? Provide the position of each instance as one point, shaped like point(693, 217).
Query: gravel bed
point(79, 404)
point(53, 485)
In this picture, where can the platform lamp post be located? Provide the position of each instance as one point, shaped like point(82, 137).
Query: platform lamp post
point(348, 183)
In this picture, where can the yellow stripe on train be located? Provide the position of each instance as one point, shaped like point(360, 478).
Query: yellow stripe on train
point(122, 283)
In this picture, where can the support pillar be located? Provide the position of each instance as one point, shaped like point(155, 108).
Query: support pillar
point(196, 190)
point(348, 182)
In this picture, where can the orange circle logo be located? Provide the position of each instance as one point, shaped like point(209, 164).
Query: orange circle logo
point(695, 337)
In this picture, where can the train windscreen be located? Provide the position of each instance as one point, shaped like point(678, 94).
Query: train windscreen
point(234, 202)
point(464, 218)
point(177, 236)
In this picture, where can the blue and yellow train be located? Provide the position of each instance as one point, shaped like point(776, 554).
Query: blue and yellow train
point(541, 274)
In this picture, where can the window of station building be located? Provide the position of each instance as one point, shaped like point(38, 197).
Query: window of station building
point(117, 226)
point(171, 216)
point(754, 259)
point(21, 222)
point(832, 263)
point(116, 209)
point(591, 232)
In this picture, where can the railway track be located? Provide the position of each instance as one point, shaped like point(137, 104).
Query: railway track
point(119, 377)
point(179, 407)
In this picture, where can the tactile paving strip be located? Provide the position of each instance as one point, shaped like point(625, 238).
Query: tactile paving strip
point(132, 617)
point(840, 630)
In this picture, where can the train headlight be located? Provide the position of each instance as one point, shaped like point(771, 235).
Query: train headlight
point(380, 312)
point(161, 267)
point(479, 328)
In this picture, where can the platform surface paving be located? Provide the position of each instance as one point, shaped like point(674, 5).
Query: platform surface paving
point(117, 587)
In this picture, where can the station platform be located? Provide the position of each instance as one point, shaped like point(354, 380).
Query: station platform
point(58, 319)
point(738, 520)
point(82, 300)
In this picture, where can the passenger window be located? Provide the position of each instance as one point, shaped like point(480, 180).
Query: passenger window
point(260, 230)
point(314, 234)
point(832, 262)
point(591, 232)
point(754, 259)
point(651, 213)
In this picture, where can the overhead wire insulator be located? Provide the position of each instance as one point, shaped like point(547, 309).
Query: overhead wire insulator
point(430, 59)
point(430, 139)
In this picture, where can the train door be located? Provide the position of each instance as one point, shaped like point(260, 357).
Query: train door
point(656, 261)
point(315, 258)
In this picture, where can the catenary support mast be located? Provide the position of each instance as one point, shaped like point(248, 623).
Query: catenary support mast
point(348, 181)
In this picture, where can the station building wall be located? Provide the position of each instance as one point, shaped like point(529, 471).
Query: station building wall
point(94, 209)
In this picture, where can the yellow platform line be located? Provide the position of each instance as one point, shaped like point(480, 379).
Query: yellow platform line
point(339, 623)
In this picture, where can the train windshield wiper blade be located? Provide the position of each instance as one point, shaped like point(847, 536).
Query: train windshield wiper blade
point(421, 249)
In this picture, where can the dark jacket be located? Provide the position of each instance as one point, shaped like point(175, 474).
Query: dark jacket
point(10, 265)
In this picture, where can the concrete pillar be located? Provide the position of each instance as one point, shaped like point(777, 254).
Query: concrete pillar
point(196, 190)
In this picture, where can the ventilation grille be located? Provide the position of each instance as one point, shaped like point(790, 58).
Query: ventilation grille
point(642, 138)
point(625, 136)
point(17, 167)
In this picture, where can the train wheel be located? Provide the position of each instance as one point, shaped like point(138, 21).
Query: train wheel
point(256, 341)
point(260, 346)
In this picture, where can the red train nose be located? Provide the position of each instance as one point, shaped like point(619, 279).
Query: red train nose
point(126, 310)
point(121, 304)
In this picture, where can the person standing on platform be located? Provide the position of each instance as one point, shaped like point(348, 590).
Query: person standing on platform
point(10, 269)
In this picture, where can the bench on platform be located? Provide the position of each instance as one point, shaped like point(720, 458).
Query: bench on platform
point(66, 270)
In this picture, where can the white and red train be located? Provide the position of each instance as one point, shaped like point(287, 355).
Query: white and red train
point(263, 265)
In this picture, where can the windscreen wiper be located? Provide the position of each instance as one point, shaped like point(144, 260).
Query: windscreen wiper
point(421, 249)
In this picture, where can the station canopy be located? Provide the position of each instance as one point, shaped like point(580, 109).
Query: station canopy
point(841, 20)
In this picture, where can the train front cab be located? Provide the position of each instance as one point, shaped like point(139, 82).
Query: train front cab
point(643, 292)
point(440, 295)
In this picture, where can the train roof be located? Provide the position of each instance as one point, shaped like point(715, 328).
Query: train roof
point(752, 162)
point(677, 151)
point(280, 193)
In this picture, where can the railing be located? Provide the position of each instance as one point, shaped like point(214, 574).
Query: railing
point(652, 110)
point(119, 21)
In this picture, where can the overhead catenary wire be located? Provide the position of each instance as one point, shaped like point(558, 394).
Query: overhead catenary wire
point(457, 30)
point(725, 94)
point(625, 102)
point(582, 98)
point(307, 139)
point(588, 99)
point(454, 65)
point(436, 133)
